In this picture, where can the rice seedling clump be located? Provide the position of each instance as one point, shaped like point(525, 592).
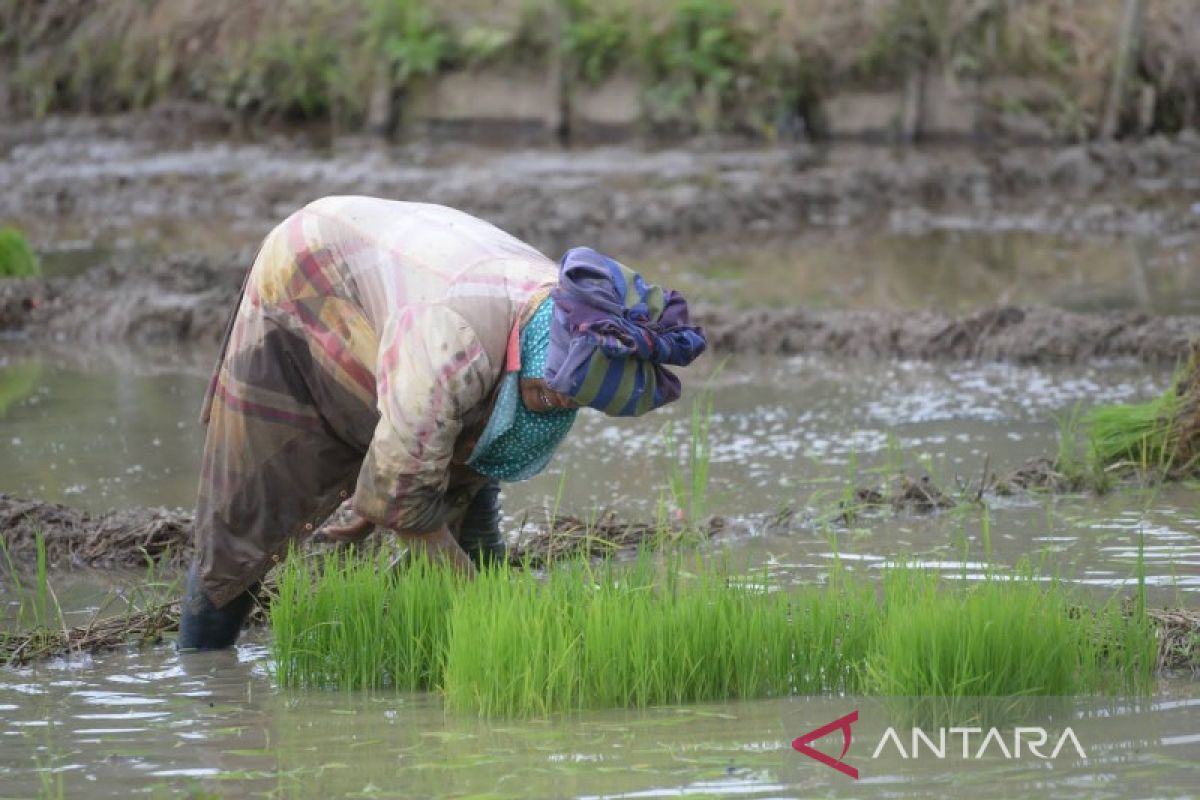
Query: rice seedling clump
point(665, 631)
point(1162, 434)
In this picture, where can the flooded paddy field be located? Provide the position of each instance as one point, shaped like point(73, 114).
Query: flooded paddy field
point(100, 425)
point(788, 436)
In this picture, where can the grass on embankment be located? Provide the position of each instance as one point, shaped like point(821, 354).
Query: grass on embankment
point(724, 64)
point(672, 631)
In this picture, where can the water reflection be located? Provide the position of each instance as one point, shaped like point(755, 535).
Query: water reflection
point(219, 724)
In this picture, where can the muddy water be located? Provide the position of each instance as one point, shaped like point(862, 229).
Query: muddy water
point(119, 429)
point(785, 435)
point(948, 270)
point(158, 725)
point(884, 267)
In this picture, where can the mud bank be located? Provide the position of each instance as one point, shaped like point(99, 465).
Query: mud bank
point(180, 299)
point(188, 300)
point(116, 174)
point(135, 538)
point(131, 538)
point(1036, 335)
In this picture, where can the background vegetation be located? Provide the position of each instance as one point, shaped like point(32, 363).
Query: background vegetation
point(755, 66)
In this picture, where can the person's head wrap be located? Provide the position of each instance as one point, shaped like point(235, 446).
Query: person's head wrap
point(613, 336)
point(517, 443)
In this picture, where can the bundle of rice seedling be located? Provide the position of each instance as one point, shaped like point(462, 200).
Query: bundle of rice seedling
point(1162, 434)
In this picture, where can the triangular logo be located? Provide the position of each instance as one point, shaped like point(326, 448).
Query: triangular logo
point(801, 743)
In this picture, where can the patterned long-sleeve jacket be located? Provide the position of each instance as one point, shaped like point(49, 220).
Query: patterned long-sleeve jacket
point(412, 309)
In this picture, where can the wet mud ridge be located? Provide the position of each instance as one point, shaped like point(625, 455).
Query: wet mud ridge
point(181, 299)
point(1036, 335)
point(189, 298)
point(131, 538)
point(137, 537)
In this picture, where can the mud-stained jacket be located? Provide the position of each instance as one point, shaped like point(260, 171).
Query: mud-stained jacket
point(411, 310)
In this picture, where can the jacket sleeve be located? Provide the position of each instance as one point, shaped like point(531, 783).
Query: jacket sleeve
point(431, 370)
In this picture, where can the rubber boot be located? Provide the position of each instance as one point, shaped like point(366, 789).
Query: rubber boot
point(479, 534)
point(203, 626)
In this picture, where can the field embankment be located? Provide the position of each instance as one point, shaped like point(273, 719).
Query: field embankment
point(899, 69)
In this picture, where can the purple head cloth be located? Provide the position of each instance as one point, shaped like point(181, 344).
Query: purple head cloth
point(613, 335)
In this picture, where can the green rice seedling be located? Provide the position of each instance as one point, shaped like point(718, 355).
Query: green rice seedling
point(1162, 434)
point(985, 533)
point(1069, 460)
point(664, 630)
point(1138, 434)
point(513, 642)
point(1006, 636)
point(17, 259)
point(34, 601)
point(687, 476)
point(43, 580)
point(345, 622)
point(639, 636)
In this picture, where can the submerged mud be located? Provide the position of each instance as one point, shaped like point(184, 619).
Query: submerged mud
point(189, 298)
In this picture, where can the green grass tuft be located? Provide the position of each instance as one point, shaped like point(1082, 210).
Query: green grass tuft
point(17, 259)
point(666, 631)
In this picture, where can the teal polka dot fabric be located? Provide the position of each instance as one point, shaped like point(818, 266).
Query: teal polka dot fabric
point(517, 443)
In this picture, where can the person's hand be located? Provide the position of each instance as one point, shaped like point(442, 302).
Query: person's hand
point(439, 546)
point(352, 532)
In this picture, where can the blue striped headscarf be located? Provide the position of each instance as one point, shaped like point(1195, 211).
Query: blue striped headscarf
point(613, 335)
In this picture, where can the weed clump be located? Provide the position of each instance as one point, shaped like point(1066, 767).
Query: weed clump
point(661, 631)
point(17, 259)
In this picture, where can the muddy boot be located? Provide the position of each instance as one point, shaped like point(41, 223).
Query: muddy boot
point(479, 534)
point(203, 626)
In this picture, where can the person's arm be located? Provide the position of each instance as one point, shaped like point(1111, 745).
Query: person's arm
point(431, 371)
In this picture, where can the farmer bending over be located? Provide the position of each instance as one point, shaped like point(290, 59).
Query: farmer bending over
point(409, 356)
